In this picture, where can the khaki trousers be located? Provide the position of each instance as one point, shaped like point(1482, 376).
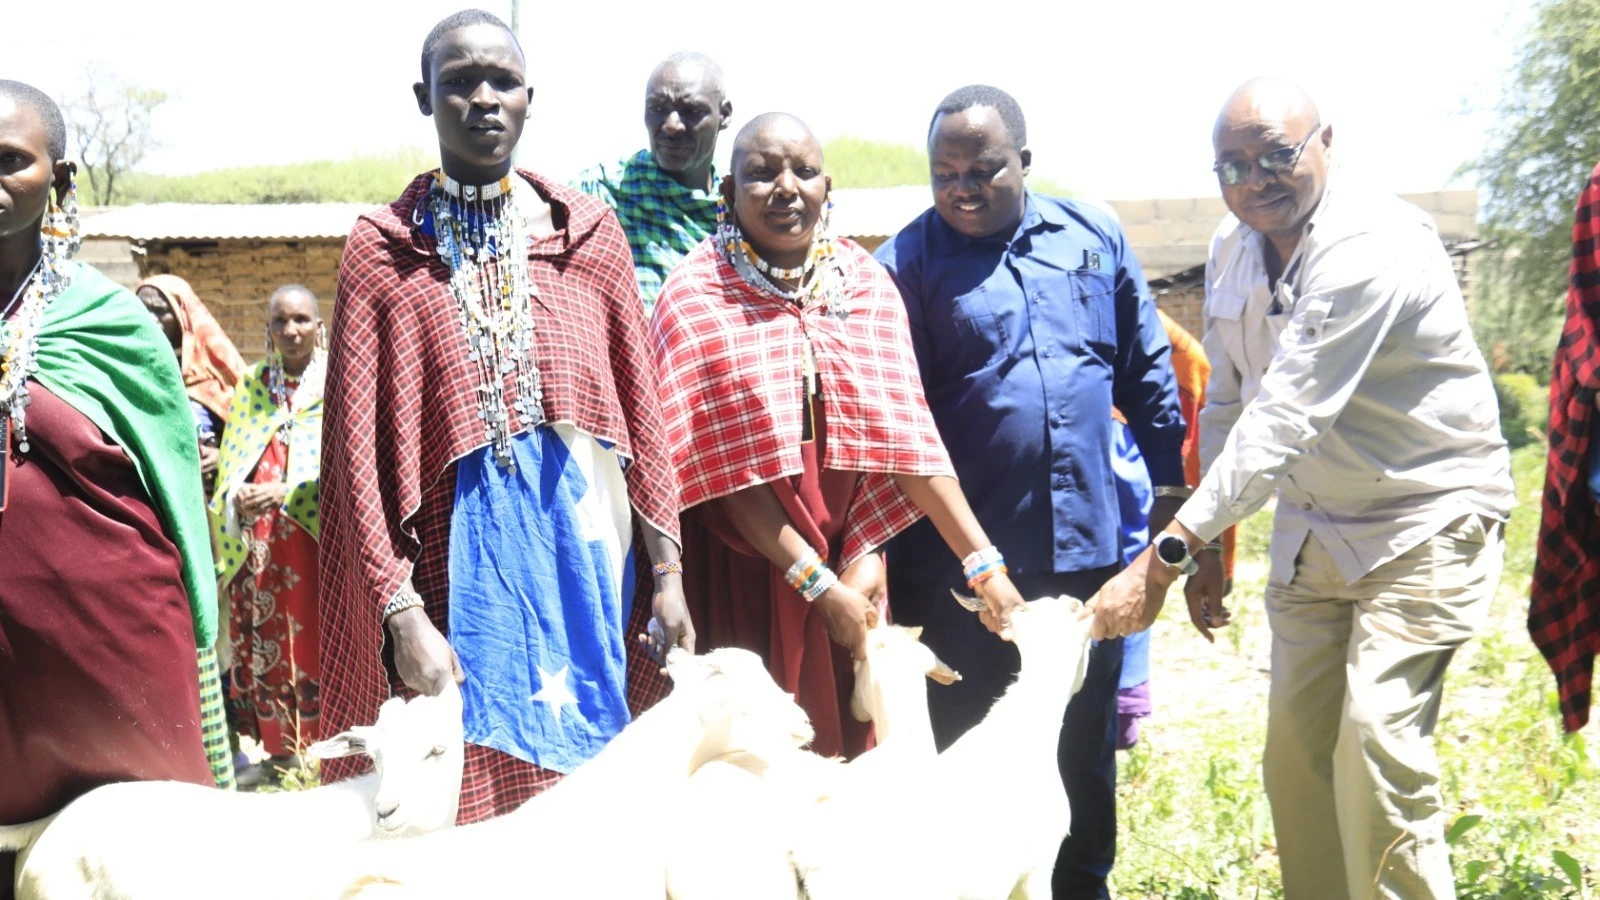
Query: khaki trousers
point(1357, 677)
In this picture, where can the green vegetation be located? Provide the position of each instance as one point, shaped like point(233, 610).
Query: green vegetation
point(853, 163)
point(1194, 817)
point(1524, 407)
point(1539, 158)
point(361, 179)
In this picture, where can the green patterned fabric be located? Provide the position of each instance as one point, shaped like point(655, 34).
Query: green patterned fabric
point(214, 721)
point(253, 419)
point(663, 219)
point(101, 352)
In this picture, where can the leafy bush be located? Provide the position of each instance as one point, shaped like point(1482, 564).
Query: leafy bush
point(1524, 407)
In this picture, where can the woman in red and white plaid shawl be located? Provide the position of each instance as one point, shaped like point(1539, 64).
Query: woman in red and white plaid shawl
point(405, 415)
point(1564, 617)
point(797, 425)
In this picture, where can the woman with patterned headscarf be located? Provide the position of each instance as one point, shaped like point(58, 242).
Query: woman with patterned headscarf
point(211, 364)
point(265, 524)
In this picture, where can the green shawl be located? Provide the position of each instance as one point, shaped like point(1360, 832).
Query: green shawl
point(253, 419)
point(102, 353)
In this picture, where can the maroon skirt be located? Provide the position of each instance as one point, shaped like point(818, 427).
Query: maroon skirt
point(98, 679)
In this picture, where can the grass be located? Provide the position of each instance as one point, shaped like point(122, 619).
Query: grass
point(1194, 817)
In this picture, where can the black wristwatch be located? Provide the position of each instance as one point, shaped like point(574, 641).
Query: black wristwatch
point(1173, 551)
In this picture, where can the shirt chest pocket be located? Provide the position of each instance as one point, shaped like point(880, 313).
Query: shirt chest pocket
point(977, 334)
point(1094, 312)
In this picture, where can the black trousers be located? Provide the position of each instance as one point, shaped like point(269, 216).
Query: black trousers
point(919, 594)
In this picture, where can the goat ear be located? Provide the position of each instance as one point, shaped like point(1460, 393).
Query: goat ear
point(345, 743)
point(915, 631)
point(971, 604)
point(942, 673)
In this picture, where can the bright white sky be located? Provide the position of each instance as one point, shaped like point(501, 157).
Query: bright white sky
point(1120, 96)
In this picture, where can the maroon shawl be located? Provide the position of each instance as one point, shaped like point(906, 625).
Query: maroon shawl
point(400, 409)
point(1564, 616)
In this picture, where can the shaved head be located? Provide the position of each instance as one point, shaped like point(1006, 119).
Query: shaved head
point(1277, 152)
point(55, 127)
point(1269, 101)
point(771, 126)
point(687, 64)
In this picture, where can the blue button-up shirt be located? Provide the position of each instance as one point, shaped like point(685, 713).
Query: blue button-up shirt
point(1025, 342)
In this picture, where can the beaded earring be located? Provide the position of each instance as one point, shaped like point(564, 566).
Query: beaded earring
point(322, 336)
point(61, 234)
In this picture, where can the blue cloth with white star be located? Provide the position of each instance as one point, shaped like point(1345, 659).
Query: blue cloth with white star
point(540, 586)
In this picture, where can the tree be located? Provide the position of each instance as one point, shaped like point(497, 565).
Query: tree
point(1538, 159)
point(111, 126)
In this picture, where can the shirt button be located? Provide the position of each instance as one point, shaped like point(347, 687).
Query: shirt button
point(1045, 352)
point(1305, 506)
point(1056, 421)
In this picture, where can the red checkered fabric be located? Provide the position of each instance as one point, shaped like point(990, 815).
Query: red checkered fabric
point(400, 409)
point(1564, 615)
point(728, 358)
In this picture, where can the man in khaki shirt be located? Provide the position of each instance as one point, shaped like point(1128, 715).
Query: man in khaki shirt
point(1345, 379)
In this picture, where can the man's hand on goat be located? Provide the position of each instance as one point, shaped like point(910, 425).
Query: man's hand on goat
point(848, 615)
point(423, 657)
point(1001, 599)
point(1132, 599)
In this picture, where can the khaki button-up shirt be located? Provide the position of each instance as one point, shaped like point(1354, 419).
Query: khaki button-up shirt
point(1352, 387)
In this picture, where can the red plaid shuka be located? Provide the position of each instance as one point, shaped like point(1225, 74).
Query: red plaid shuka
point(400, 410)
point(728, 359)
point(1564, 616)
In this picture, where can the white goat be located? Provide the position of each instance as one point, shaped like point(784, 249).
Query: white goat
point(579, 838)
point(174, 840)
point(737, 823)
point(1000, 780)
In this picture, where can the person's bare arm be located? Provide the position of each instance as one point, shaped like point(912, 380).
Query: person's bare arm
point(761, 519)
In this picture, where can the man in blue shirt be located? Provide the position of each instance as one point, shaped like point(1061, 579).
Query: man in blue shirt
point(1030, 318)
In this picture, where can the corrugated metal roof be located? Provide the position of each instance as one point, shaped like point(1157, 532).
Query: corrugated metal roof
point(226, 221)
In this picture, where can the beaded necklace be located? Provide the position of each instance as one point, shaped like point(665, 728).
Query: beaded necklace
point(483, 236)
point(19, 338)
point(827, 281)
point(308, 387)
point(826, 285)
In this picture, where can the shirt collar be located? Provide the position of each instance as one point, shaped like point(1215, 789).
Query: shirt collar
point(665, 182)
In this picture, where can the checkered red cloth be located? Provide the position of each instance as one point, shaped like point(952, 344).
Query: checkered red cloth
point(400, 409)
point(728, 359)
point(1564, 616)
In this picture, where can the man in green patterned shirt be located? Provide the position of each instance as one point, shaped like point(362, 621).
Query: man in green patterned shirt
point(666, 196)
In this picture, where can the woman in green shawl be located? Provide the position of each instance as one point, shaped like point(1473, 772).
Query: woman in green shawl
point(264, 517)
point(106, 586)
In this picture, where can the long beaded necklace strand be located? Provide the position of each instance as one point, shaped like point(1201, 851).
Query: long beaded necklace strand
point(19, 336)
point(483, 236)
point(309, 385)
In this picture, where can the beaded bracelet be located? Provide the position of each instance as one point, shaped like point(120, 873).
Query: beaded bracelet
point(985, 573)
point(1174, 490)
point(406, 599)
point(810, 576)
point(820, 585)
point(668, 568)
point(977, 558)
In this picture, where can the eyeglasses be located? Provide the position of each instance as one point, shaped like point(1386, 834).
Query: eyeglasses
point(1275, 162)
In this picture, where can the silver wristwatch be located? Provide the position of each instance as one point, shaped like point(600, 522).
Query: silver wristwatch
point(1173, 551)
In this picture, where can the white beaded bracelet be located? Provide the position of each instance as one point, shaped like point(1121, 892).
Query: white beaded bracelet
point(406, 599)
